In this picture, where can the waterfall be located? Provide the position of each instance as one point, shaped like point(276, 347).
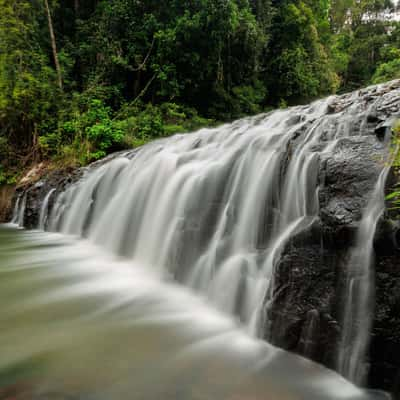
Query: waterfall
point(44, 210)
point(14, 218)
point(78, 323)
point(18, 215)
point(359, 290)
point(214, 210)
point(19, 211)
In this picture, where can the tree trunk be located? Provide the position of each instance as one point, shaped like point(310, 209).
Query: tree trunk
point(76, 6)
point(53, 45)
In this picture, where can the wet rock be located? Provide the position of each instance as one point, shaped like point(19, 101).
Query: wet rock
point(373, 117)
point(347, 176)
point(304, 308)
point(39, 181)
point(385, 343)
point(308, 343)
point(304, 299)
point(306, 305)
point(384, 129)
point(296, 119)
point(36, 192)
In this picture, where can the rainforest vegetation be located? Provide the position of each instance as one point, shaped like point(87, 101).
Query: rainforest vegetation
point(82, 78)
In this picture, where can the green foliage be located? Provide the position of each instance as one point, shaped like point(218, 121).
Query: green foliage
point(394, 196)
point(362, 35)
point(7, 177)
point(299, 67)
point(28, 93)
point(389, 67)
point(387, 71)
point(96, 131)
point(137, 70)
point(193, 53)
point(90, 133)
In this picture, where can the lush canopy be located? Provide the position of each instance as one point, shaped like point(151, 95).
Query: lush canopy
point(79, 79)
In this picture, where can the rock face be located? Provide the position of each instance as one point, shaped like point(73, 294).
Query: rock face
point(36, 189)
point(305, 307)
point(385, 344)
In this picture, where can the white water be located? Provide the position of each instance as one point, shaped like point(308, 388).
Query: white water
point(14, 219)
point(359, 291)
point(77, 323)
point(19, 210)
point(44, 210)
point(213, 210)
point(206, 209)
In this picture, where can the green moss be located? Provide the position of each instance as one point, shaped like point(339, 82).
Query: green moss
point(394, 197)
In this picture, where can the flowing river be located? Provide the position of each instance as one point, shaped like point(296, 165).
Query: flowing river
point(77, 323)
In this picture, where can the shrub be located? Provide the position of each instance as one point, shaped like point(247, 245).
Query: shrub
point(387, 71)
point(394, 196)
point(91, 130)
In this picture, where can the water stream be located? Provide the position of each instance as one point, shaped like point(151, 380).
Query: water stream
point(205, 209)
point(359, 290)
point(77, 323)
point(211, 211)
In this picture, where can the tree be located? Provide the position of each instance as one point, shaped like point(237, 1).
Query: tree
point(196, 53)
point(298, 66)
point(53, 44)
point(148, 68)
point(389, 66)
point(362, 31)
point(28, 97)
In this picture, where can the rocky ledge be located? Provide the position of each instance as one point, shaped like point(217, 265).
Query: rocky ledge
point(305, 307)
point(38, 182)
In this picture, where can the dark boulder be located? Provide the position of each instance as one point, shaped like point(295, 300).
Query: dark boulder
point(304, 308)
point(36, 188)
point(36, 192)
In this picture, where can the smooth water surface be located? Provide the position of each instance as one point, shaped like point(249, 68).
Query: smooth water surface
point(78, 323)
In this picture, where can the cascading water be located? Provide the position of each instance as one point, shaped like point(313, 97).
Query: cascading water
point(214, 210)
point(19, 210)
point(44, 210)
point(359, 290)
point(14, 219)
point(77, 323)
